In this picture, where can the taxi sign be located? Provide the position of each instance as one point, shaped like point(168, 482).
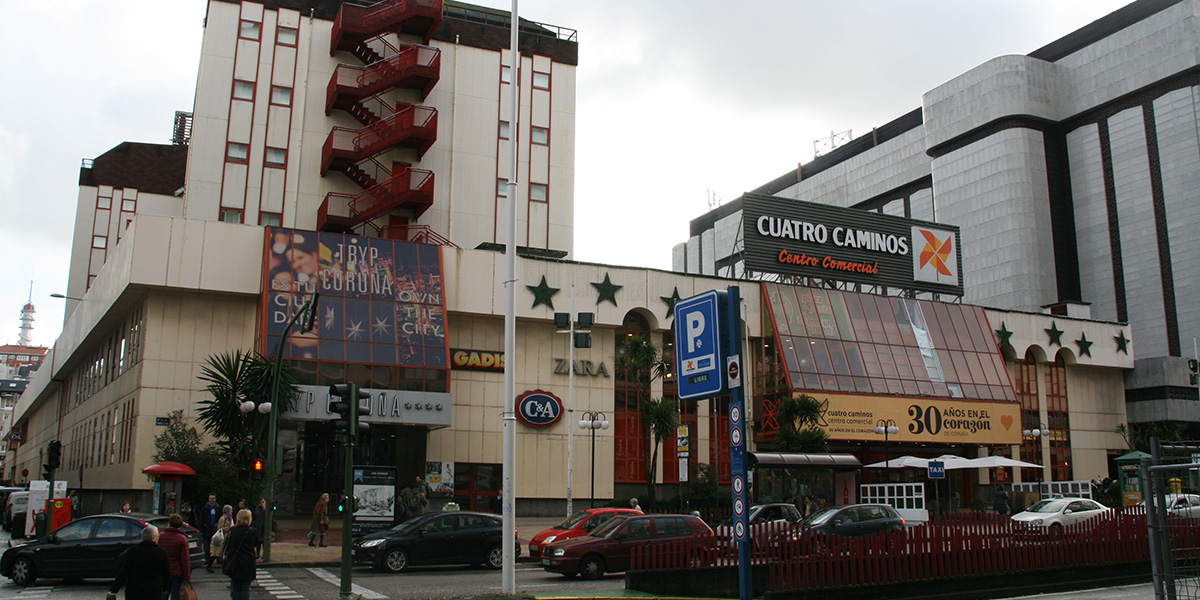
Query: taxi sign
point(937, 469)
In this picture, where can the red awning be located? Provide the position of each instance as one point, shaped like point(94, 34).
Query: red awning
point(169, 468)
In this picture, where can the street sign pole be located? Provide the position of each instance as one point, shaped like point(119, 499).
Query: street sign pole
point(731, 355)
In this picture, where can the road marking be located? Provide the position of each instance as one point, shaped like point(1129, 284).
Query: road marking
point(35, 591)
point(354, 587)
point(274, 587)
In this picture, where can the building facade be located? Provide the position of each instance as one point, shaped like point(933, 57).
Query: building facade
point(1070, 172)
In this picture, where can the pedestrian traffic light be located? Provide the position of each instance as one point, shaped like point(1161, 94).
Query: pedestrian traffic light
point(348, 406)
point(54, 454)
point(287, 459)
point(47, 472)
point(256, 469)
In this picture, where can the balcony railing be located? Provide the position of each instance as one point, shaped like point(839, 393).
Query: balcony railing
point(415, 67)
point(411, 127)
point(410, 189)
point(356, 22)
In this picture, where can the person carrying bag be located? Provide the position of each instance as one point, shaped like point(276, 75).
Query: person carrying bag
point(320, 521)
point(239, 564)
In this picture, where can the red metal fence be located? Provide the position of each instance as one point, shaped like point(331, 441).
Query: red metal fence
point(952, 546)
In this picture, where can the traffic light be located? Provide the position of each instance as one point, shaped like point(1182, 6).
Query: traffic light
point(287, 459)
point(348, 406)
point(54, 454)
point(256, 469)
point(47, 472)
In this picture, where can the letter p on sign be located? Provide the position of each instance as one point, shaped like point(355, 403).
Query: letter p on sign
point(695, 327)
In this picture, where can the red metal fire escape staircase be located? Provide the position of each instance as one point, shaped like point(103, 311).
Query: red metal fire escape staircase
point(357, 90)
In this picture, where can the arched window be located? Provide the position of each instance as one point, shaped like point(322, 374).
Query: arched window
point(630, 389)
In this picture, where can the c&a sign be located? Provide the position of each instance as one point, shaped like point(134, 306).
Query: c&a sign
point(539, 408)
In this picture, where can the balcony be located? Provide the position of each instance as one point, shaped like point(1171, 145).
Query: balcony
point(356, 22)
point(411, 127)
point(415, 67)
point(410, 189)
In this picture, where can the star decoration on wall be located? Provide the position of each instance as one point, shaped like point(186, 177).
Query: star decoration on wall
point(1085, 347)
point(1122, 342)
point(1004, 334)
point(607, 290)
point(543, 294)
point(354, 330)
point(671, 300)
point(1055, 334)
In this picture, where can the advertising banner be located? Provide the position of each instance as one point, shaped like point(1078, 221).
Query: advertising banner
point(791, 237)
point(375, 488)
point(439, 476)
point(382, 301)
point(854, 417)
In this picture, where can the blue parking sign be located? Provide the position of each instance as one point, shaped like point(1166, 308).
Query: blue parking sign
point(698, 361)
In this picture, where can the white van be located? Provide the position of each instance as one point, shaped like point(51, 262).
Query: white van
point(14, 513)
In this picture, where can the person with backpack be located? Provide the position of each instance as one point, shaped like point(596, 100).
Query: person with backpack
point(402, 512)
point(416, 502)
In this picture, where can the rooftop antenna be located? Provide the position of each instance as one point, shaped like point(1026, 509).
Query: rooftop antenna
point(713, 199)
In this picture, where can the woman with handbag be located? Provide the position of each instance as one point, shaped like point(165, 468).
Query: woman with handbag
point(175, 542)
point(320, 521)
point(239, 563)
point(220, 536)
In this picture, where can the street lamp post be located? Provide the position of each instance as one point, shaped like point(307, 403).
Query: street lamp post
point(1038, 433)
point(577, 338)
point(593, 420)
point(886, 428)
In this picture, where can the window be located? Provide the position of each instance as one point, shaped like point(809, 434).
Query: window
point(112, 528)
point(129, 205)
point(505, 74)
point(99, 241)
point(541, 81)
point(270, 219)
point(281, 95)
point(79, 530)
point(540, 135)
point(250, 30)
point(504, 130)
point(238, 153)
point(538, 192)
point(286, 36)
point(502, 188)
point(276, 157)
point(104, 202)
point(243, 90)
point(231, 215)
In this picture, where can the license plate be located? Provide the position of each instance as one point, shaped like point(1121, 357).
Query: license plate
point(193, 545)
point(546, 561)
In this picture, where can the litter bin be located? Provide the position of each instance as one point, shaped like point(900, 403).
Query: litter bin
point(41, 525)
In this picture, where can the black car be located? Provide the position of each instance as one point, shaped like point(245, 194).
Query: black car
point(851, 520)
point(84, 548)
point(438, 538)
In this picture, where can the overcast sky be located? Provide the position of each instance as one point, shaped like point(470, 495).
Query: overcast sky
point(677, 102)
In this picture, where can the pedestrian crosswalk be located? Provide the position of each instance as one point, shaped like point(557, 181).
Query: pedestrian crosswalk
point(34, 592)
point(355, 589)
point(276, 588)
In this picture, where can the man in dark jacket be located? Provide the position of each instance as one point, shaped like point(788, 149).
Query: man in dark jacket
point(144, 570)
point(260, 524)
point(209, 514)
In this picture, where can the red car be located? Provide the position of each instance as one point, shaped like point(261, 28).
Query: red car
point(580, 523)
point(608, 548)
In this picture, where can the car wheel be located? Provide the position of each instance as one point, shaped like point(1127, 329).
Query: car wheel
point(1056, 531)
point(23, 571)
point(591, 567)
point(396, 560)
point(495, 557)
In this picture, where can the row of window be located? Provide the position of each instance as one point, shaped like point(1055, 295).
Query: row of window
point(284, 36)
point(245, 90)
point(537, 135)
point(105, 439)
point(18, 357)
point(237, 215)
point(541, 79)
point(115, 356)
point(274, 158)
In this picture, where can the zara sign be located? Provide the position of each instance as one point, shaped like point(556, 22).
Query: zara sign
point(539, 408)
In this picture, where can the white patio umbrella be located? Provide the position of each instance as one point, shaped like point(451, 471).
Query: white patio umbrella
point(987, 462)
point(900, 462)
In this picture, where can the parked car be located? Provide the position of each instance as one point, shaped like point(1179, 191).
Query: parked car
point(437, 538)
point(1051, 516)
point(580, 523)
point(850, 520)
point(607, 549)
point(761, 518)
point(82, 549)
point(14, 513)
point(1186, 506)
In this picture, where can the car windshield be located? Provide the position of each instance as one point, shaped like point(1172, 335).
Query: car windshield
point(609, 526)
point(1047, 506)
point(575, 519)
point(819, 517)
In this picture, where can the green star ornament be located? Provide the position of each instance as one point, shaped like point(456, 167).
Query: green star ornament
point(543, 294)
point(607, 291)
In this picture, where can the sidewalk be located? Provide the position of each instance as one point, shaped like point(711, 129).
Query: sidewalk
point(290, 546)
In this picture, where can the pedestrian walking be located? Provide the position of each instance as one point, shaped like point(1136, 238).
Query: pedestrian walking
point(421, 493)
point(175, 543)
point(1000, 501)
point(239, 562)
point(207, 518)
point(320, 522)
point(220, 536)
point(260, 524)
point(143, 570)
point(125, 510)
point(633, 503)
point(402, 512)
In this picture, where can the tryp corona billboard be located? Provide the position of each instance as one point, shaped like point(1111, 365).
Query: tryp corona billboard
point(791, 237)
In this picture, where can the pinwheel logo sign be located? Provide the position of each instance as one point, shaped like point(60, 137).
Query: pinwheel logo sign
point(935, 258)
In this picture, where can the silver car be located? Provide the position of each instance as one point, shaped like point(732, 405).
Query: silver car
point(1053, 515)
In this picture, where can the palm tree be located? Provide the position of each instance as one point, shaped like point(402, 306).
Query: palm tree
point(659, 418)
point(800, 419)
point(233, 379)
point(643, 363)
